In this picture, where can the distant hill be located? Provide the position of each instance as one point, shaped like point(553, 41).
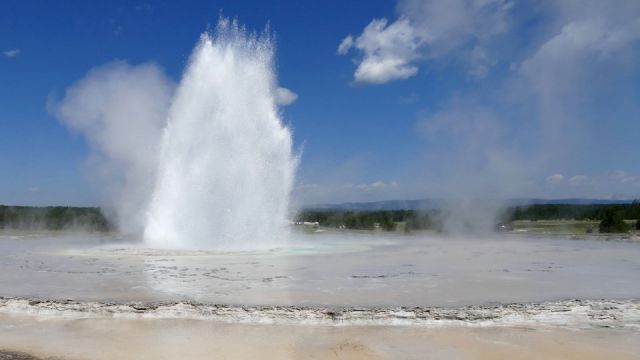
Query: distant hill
point(421, 204)
point(430, 204)
point(567, 201)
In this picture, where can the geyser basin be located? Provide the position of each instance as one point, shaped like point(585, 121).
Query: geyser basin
point(328, 269)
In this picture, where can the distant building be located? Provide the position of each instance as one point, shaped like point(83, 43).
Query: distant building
point(503, 227)
point(313, 224)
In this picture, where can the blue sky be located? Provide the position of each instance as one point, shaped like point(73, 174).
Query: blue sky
point(404, 99)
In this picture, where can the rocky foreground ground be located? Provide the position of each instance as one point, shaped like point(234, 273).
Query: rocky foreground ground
point(572, 313)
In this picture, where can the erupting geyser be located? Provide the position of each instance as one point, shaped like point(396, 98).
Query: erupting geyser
point(207, 165)
point(225, 169)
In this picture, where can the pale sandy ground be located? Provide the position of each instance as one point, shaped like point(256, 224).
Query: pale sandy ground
point(63, 338)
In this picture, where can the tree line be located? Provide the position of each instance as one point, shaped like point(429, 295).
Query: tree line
point(611, 216)
point(369, 220)
point(574, 212)
point(53, 218)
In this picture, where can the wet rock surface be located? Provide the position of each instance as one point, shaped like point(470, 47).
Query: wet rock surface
point(570, 313)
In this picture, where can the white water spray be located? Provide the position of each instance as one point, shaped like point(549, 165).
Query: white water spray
point(226, 168)
point(208, 165)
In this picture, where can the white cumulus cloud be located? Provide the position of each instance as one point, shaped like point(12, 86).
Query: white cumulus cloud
point(555, 179)
point(388, 51)
point(427, 30)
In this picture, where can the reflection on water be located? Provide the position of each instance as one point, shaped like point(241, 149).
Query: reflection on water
point(332, 268)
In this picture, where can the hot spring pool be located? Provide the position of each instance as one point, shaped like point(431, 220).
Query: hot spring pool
point(322, 269)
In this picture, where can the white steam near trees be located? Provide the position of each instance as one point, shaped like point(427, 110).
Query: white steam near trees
point(121, 110)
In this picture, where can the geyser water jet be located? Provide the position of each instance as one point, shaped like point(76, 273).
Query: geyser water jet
point(207, 164)
point(225, 168)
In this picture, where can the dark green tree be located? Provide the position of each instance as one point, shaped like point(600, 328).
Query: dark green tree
point(387, 223)
point(612, 222)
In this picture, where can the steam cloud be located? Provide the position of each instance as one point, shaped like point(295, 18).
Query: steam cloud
point(121, 109)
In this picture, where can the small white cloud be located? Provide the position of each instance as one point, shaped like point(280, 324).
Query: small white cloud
point(285, 96)
point(33, 189)
point(579, 180)
point(345, 45)
point(382, 71)
point(378, 185)
point(555, 179)
point(374, 186)
point(11, 53)
point(388, 51)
